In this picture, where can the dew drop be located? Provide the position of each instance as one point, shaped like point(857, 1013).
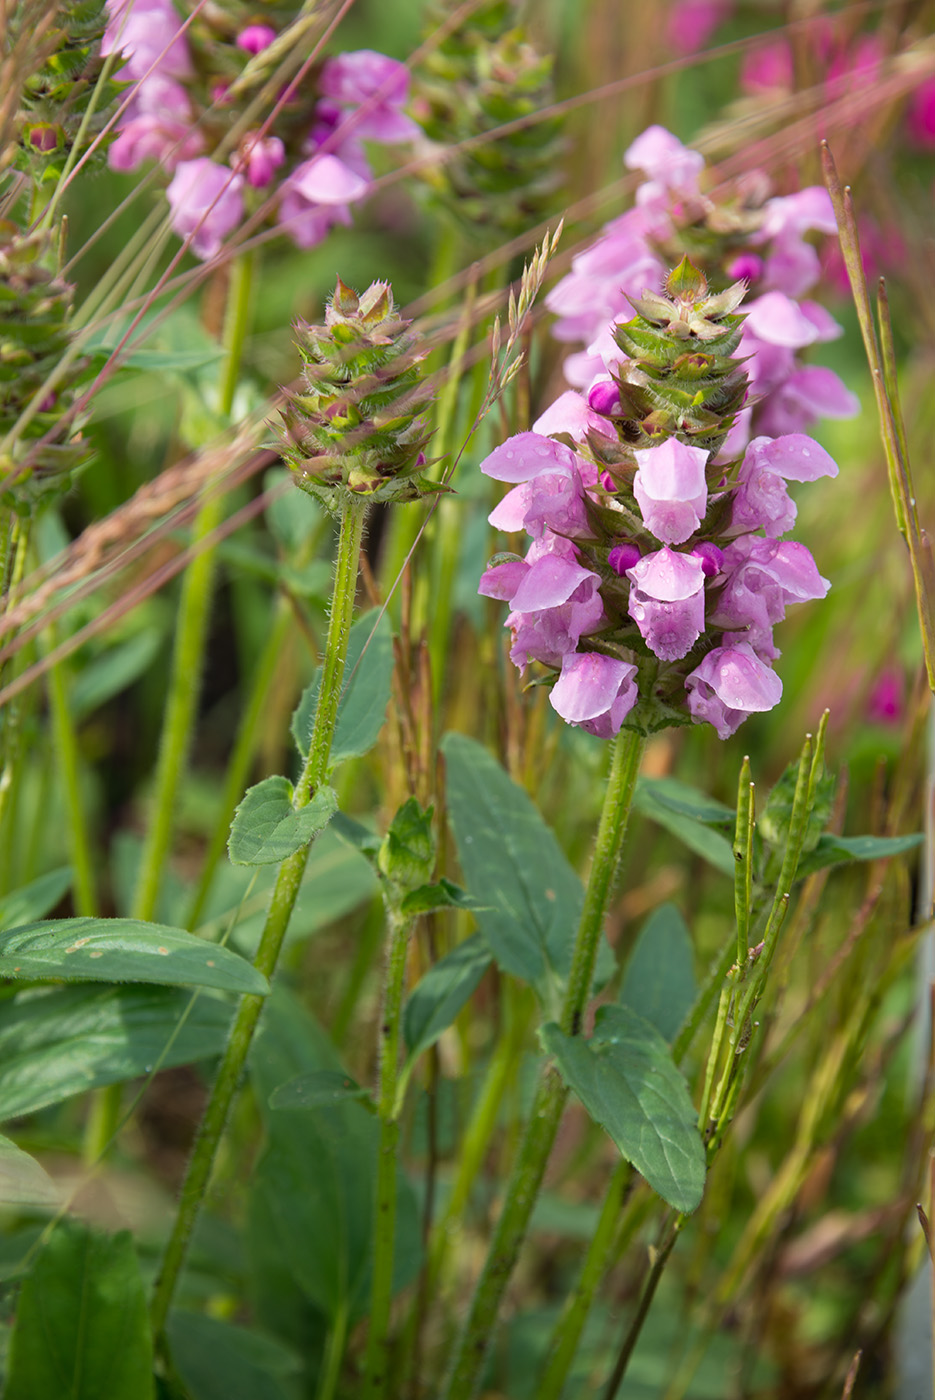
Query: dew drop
point(806, 452)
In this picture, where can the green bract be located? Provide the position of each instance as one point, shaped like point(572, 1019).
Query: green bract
point(357, 425)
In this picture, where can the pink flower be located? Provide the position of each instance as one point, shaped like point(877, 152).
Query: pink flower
point(670, 489)
point(763, 576)
point(730, 684)
point(369, 79)
point(667, 602)
point(692, 22)
point(761, 498)
point(206, 202)
point(255, 38)
point(571, 414)
point(669, 164)
point(594, 691)
point(316, 196)
point(147, 33)
point(160, 128)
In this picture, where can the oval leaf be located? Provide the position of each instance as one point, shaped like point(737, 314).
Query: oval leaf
point(445, 988)
point(267, 829)
point(838, 850)
point(368, 677)
point(124, 950)
point(626, 1080)
point(676, 816)
point(34, 900)
point(60, 1041)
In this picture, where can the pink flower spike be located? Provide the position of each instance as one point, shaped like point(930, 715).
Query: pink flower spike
point(206, 203)
point(670, 489)
point(730, 684)
point(526, 455)
point(594, 691)
point(255, 38)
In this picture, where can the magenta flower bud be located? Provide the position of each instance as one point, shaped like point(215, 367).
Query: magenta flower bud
point(260, 158)
point(255, 38)
point(604, 397)
point(623, 557)
point(45, 137)
point(747, 265)
point(712, 558)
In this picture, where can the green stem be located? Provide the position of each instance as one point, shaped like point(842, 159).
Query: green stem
point(192, 625)
point(283, 900)
point(660, 1259)
point(334, 1355)
point(376, 1365)
point(551, 1092)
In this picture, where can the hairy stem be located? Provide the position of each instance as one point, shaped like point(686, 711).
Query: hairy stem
point(283, 900)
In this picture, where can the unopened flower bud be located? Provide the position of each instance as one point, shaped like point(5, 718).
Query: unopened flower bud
point(623, 557)
point(255, 38)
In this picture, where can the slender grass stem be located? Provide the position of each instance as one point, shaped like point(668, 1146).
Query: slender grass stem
point(282, 903)
point(551, 1093)
point(69, 769)
point(376, 1365)
point(191, 628)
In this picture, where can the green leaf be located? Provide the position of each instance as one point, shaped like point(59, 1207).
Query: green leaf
point(355, 834)
point(82, 1327)
point(218, 1361)
point(266, 828)
point(34, 900)
point(773, 823)
point(436, 1000)
point(22, 1181)
point(837, 850)
point(112, 672)
point(314, 1186)
point(444, 895)
point(60, 1041)
point(531, 895)
point(368, 676)
point(690, 829)
point(124, 950)
point(659, 982)
point(318, 1088)
point(626, 1080)
point(687, 801)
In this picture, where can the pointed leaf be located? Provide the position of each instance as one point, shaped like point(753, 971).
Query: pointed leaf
point(22, 1181)
point(368, 676)
point(436, 1000)
point(82, 1327)
point(317, 1088)
point(36, 899)
point(427, 898)
point(266, 828)
point(694, 833)
point(59, 1041)
point(626, 1080)
point(659, 982)
point(124, 950)
point(837, 850)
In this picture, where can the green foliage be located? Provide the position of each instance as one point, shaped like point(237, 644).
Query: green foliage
point(319, 1088)
point(31, 901)
point(626, 1080)
point(436, 1000)
point(62, 1041)
point(364, 695)
point(313, 1188)
point(267, 828)
point(22, 1181)
point(123, 950)
point(82, 1328)
point(218, 1361)
point(659, 981)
